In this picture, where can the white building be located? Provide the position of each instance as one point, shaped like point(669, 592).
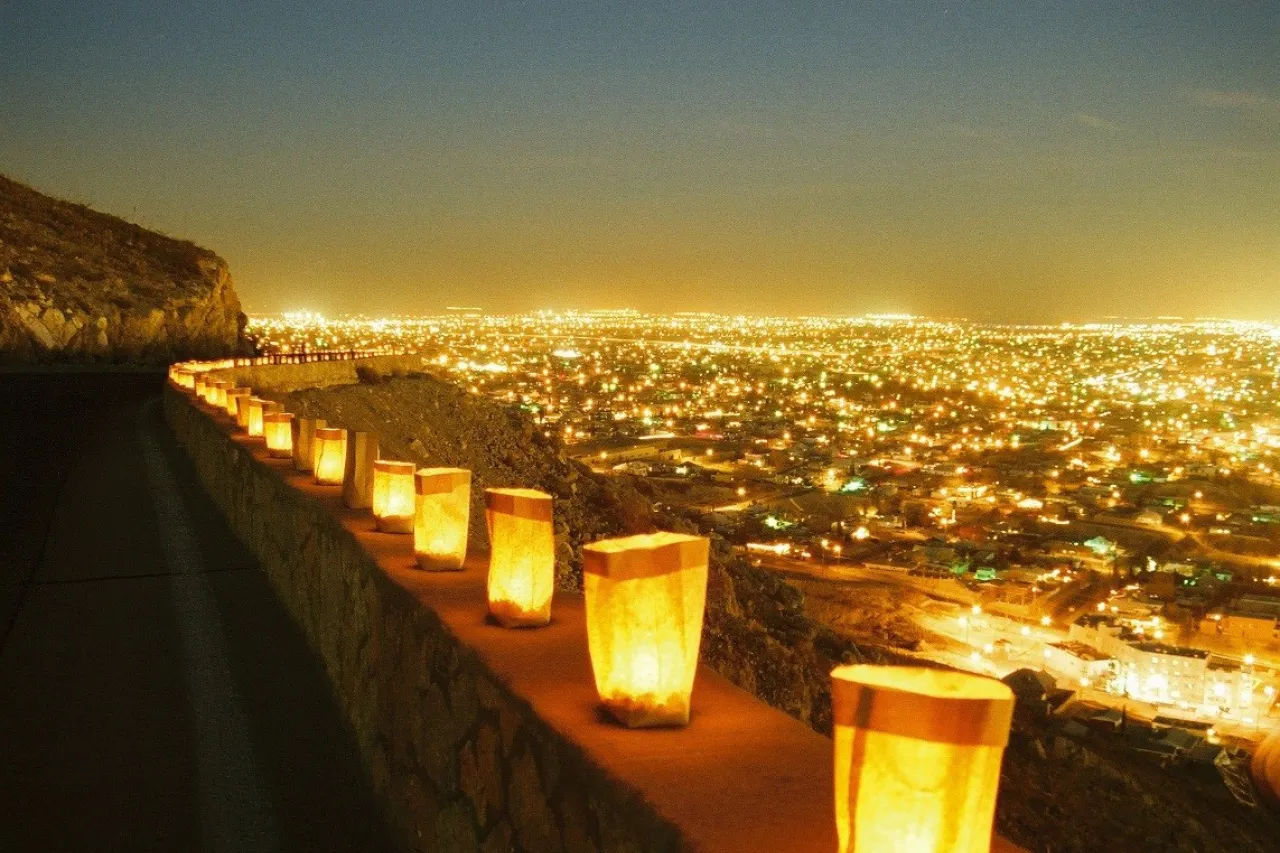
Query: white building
point(1163, 674)
point(1079, 664)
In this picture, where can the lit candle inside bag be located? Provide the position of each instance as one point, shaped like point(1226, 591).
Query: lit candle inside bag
point(522, 560)
point(917, 758)
point(277, 430)
point(304, 442)
point(236, 396)
point(441, 515)
point(393, 495)
point(357, 480)
point(645, 598)
point(217, 394)
point(242, 410)
point(331, 455)
point(257, 408)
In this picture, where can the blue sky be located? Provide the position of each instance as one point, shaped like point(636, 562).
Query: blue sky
point(1018, 161)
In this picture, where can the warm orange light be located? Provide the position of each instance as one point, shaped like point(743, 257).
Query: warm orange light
point(304, 442)
point(277, 429)
point(393, 496)
point(645, 597)
point(331, 455)
point(357, 479)
point(218, 394)
point(442, 511)
point(1266, 767)
point(257, 408)
point(917, 758)
point(522, 560)
point(242, 410)
point(198, 387)
point(236, 396)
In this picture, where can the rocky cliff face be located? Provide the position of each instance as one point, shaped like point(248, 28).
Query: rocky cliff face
point(79, 285)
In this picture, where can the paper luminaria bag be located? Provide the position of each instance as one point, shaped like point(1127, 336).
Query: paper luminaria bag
point(277, 431)
point(257, 407)
point(216, 393)
point(522, 559)
point(442, 512)
point(236, 396)
point(330, 461)
point(242, 410)
point(645, 598)
point(357, 478)
point(393, 495)
point(917, 758)
point(304, 442)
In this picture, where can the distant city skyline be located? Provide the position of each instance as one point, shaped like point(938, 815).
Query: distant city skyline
point(868, 316)
point(999, 162)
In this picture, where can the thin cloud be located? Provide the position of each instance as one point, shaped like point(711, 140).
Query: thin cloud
point(990, 136)
point(1239, 100)
point(1093, 121)
point(1254, 106)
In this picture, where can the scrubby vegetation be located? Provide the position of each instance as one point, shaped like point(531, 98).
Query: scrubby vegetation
point(77, 284)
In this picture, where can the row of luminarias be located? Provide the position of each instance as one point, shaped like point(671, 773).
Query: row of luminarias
point(917, 751)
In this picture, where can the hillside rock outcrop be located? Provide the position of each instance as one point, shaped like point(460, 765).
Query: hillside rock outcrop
point(77, 285)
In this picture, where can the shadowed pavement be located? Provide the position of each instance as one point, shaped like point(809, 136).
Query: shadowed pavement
point(153, 693)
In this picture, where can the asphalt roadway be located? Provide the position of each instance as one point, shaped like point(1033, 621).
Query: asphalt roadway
point(154, 695)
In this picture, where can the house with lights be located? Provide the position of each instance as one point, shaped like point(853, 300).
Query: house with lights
point(1252, 621)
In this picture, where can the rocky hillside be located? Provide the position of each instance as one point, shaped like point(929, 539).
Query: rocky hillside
point(79, 285)
point(1054, 798)
point(757, 633)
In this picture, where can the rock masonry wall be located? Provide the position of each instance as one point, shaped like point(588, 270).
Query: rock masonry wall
point(461, 763)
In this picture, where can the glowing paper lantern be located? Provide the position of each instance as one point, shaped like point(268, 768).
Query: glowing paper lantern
point(235, 396)
point(393, 496)
point(242, 411)
point(357, 481)
point(277, 429)
point(917, 758)
point(442, 511)
point(331, 455)
point(1266, 768)
point(522, 561)
point(257, 408)
point(198, 386)
point(220, 389)
point(645, 597)
point(304, 442)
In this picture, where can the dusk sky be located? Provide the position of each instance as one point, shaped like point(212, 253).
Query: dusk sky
point(1020, 161)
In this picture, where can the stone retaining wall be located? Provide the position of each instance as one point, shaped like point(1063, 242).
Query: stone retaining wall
point(461, 762)
point(283, 378)
point(484, 739)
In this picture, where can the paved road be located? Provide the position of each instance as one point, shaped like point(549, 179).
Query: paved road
point(153, 693)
